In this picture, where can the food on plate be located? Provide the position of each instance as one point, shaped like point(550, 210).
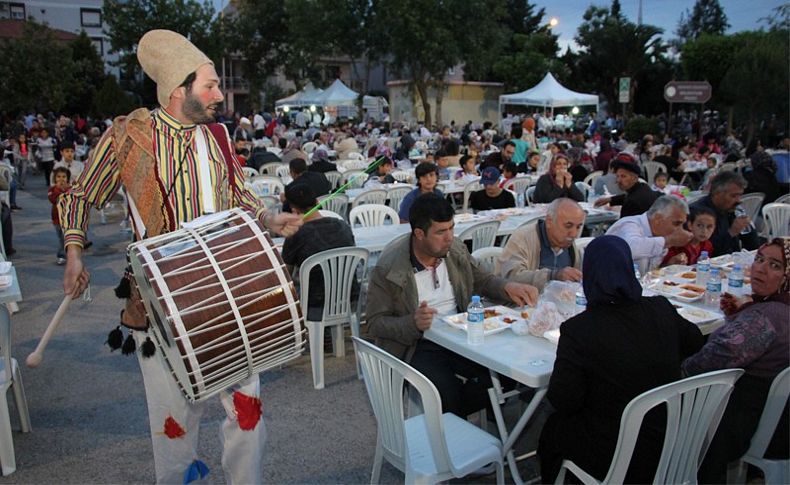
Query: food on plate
point(490, 312)
point(508, 320)
point(689, 275)
point(491, 324)
point(525, 315)
point(670, 283)
point(693, 288)
point(688, 294)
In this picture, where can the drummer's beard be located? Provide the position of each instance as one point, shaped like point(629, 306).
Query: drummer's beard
point(198, 113)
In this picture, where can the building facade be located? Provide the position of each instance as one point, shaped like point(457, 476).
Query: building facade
point(67, 15)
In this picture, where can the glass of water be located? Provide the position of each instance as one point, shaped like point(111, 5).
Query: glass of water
point(740, 212)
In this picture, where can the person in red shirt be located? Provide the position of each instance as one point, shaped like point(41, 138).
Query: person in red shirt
point(61, 176)
point(701, 223)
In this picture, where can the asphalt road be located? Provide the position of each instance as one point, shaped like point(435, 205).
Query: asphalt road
point(87, 405)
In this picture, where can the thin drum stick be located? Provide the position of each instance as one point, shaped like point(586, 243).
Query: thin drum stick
point(342, 189)
point(35, 358)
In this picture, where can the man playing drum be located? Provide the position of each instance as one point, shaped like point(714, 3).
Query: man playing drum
point(174, 165)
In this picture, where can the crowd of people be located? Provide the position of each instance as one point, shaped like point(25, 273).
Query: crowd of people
point(621, 345)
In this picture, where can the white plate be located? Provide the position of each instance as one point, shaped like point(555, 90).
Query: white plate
point(674, 292)
point(676, 269)
point(697, 316)
point(5, 267)
point(492, 325)
point(6, 281)
point(552, 336)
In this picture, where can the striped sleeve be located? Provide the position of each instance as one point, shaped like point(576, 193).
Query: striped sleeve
point(98, 182)
point(242, 196)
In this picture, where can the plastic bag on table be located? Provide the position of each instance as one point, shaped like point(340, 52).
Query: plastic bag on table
point(546, 317)
point(562, 294)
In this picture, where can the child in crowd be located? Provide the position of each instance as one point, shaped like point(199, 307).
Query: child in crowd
point(62, 177)
point(532, 162)
point(508, 172)
point(67, 161)
point(468, 171)
point(701, 223)
point(660, 182)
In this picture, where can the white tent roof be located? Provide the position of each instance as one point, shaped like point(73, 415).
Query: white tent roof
point(307, 96)
point(549, 93)
point(338, 94)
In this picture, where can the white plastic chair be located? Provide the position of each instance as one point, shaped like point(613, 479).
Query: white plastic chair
point(357, 182)
point(580, 243)
point(338, 204)
point(487, 257)
point(266, 185)
point(519, 185)
point(592, 177)
point(334, 177)
point(340, 268)
point(777, 219)
point(652, 168)
point(249, 172)
point(471, 186)
point(482, 234)
point(328, 213)
point(530, 193)
point(401, 176)
point(585, 189)
point(272, 203)
point(271, 168)
point(10, 378)
point(728, 167)
point(694, 408)
point(372, 196)
point(274, 150)
point(355, 164)
point(428, 448)
point(371, 215)
point(785, 199)
point(395, 195)
point(309, 147)
point(775, 470)
point(751, 204)
point(356, 156)
point(283, 172)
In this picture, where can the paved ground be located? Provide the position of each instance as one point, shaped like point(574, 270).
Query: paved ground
point(87, 405)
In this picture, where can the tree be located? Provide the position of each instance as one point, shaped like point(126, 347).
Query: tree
point(35, 72)
point(613, 47)
point(707, 17)
point(528, 48)
point(259, 33)
point(88, 75)
point(111, 100)
point(128, 20)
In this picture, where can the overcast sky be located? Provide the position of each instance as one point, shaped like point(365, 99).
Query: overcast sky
point(741, 14)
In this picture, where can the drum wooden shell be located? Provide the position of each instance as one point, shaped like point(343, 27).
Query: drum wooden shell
point(220, 302)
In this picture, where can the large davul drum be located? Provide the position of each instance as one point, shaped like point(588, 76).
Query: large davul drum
point(220, 301)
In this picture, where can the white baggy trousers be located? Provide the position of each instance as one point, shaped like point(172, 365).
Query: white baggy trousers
point(175, 423)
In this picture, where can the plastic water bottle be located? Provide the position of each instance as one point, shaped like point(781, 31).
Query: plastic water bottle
point(713, 289)
point(520, 201)
point(265, 189)
point(475, 315)
point(581, 301)
point(735, 281)
point(637, 273)
point(703, 268)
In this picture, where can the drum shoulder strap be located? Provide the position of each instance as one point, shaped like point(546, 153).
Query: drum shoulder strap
point(134, 152)
point(220, 133)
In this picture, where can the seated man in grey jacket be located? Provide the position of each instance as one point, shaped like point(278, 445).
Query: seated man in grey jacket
point(426, 274)
point(543, 250)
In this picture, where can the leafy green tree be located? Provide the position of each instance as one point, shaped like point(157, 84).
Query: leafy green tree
point(110, 100)
point(259, 33)
point(88, 75)
point(707, 17)
point(613, 47)
point(708, 58)
point(36, 70)
point(128, 20)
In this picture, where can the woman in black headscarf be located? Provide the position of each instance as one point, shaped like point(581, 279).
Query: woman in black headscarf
point(762, 177)
point(622, 345)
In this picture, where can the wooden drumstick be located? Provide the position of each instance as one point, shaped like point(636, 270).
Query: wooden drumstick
point(35, 358)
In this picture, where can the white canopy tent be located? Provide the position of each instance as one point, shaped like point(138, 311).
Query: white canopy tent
point(548, 93)
point(307, 96)
point(338, 94)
